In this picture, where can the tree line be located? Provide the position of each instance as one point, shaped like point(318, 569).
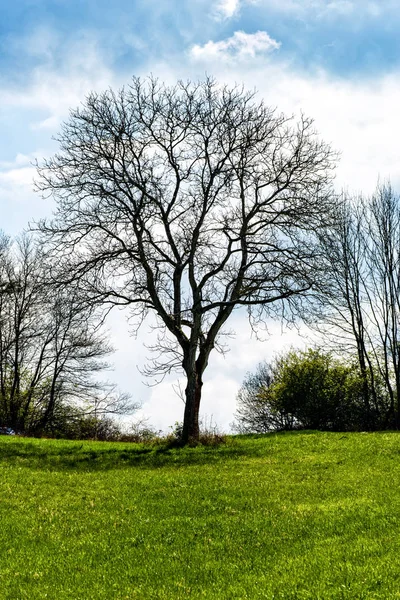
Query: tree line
point(191, 202)
point(353, 384)
point(51, 347)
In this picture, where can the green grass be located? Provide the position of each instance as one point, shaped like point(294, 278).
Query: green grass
point(299, 516)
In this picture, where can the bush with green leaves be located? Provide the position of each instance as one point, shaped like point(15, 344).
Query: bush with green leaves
point(307, 389)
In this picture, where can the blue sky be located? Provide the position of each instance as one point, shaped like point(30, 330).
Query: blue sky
point(338, 61)
point(346, 37)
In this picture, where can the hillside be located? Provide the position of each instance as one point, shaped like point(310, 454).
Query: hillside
point(301, 515)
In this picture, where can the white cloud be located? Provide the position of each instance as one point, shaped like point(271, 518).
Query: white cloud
point(41, 104)
point(54, 88)
point(359, 116)
point(21, 160)
point(18, 203)
point(21, 177)
point(51, 123)
point(240, 46)
point(227, 8)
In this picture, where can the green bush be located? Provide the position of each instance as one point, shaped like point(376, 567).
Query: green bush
point(320, 392)
point(301, 390)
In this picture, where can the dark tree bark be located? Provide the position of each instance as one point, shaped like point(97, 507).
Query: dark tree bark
point(187, 201)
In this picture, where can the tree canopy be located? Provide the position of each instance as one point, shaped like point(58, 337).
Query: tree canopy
point(188, 201)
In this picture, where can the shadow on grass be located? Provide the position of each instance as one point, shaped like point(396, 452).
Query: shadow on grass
point(55, 455)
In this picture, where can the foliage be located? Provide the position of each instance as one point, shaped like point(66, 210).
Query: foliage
point(302, 389)
point(316, 390)
point(296, 515)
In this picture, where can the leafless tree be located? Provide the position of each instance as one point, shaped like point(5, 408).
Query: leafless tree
point(51, 345)
point(256, 410)
point(19, 330)
point(188, 201)
point(361, 304)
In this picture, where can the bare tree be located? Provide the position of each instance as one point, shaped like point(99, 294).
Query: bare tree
point(51, 346)
point(19, 330)
point(361, 304)
point(258, 411)
point(342, 319)
point(188, 201)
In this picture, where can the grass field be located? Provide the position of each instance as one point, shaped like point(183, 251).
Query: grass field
point(301, 515)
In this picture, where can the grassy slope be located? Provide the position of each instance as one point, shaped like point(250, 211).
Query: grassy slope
point(306, 515)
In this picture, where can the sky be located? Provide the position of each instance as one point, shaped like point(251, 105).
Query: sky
point(336, 61)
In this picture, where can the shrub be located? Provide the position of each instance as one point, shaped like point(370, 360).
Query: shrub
point(301, 389)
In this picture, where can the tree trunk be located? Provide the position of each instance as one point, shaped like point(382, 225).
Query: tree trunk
point(365, 387)
point(397, 392)
point(191, 431)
